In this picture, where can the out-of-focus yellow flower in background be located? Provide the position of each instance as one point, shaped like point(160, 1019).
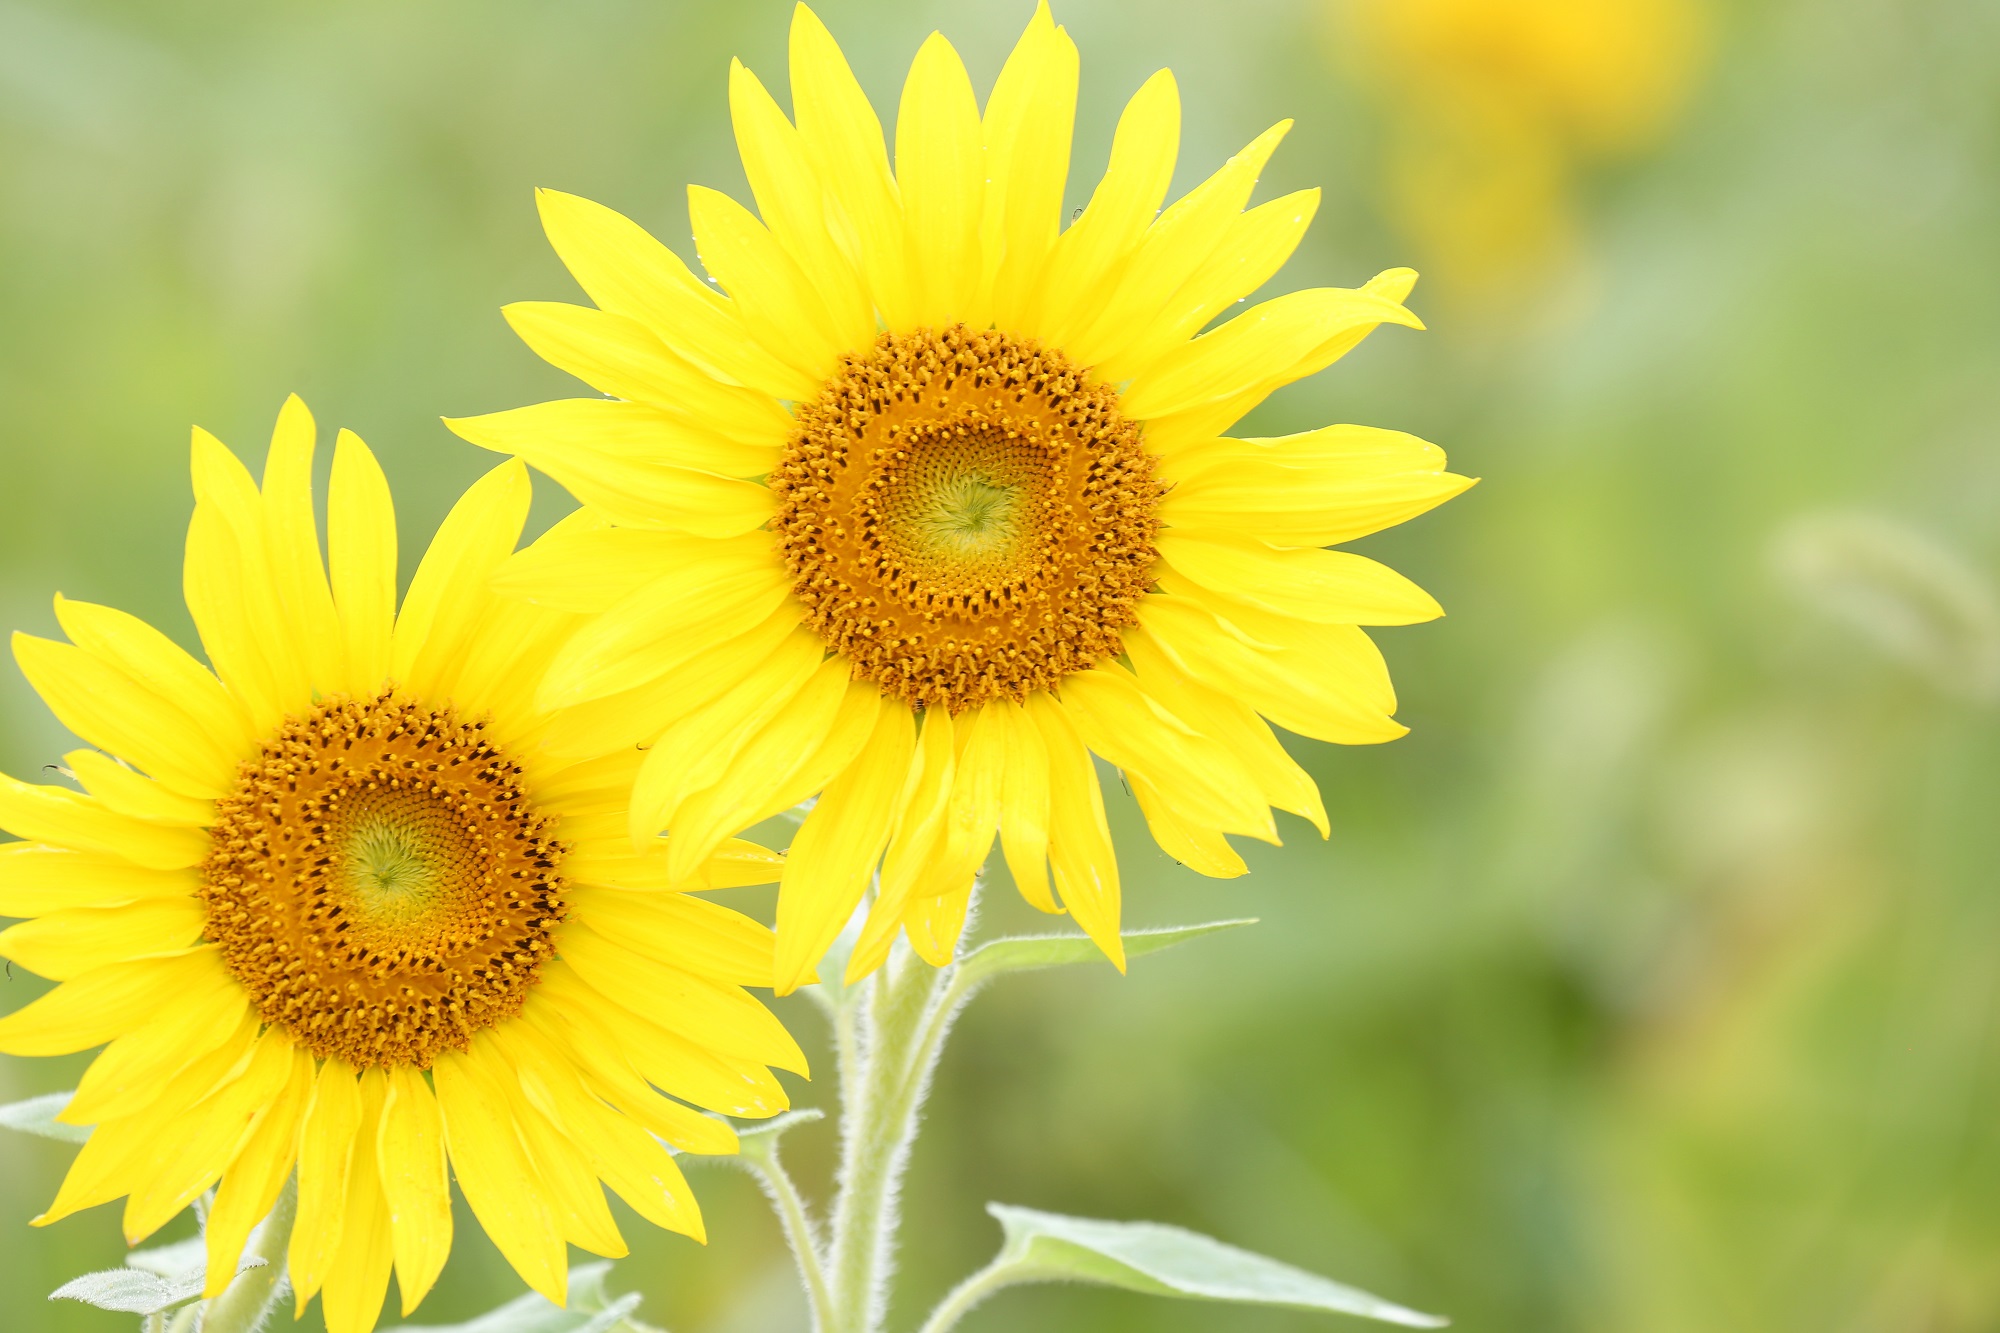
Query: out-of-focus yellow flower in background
point(1495, 110)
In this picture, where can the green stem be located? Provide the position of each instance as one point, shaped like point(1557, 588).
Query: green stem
point(243, 1305)
point(879, 1123)
point(959, 1302)
point(799, 1234)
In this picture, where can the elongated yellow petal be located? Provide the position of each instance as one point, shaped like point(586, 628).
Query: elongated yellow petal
point(666, 624)
point(361, 553)
point(111, 710)
point(774, 299)
point(1024, 800)
point(291, 544)
point(68, 944)
point(1285, 506)
point(1199, 778)
point(106, 1003)
point(135, 795)
point(498, 1180)
point(623, 358)
point(942, 176)
point(844, 139)
point(1087, 258)
point(1173, 249)
point(1333, 453)
point(1201, 849)
point(230, 589)
point(916, 842)
point(1255, 247)
point(628, 273)
point(251, 1184)
point(1027, 129)
point(764, 765)
point(326, 1156)
point(35, 879)
point(410, 1154)
point(632, 432)
point(442, 610)
point(215, 1132)
point(1080, 852)
point(837, 847)
point(159, 664)
point(582, 565)
point(126, 1077)
point(359, 1278)
point(570, 1189)
point(690, 933)
point(1328, 587)
point(717, 1015)
point(789, 196)
point(695, 751)
point(934, 921)
point(58, 815)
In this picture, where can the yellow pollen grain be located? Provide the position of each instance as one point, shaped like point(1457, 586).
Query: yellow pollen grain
point(380, 884)
point(966, 516)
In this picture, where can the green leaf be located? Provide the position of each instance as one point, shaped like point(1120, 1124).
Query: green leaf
point(37, 1115)
point(129, 1290)
point(589, 1312)
point(1167, 1261)
point(1033, 952)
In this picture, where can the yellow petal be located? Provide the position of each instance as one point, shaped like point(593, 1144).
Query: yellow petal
point(1085, 262)
point(1255, 247)
point(1027, 133)
point(251, 1184)
point(126, 792)
point(443, 609)
point(359, 1278)
point(1285, 506)
point(719, 1016)
point(623, 358)
point(774, 299)
point(1024, 805)
point(221, 1127)
point(634, 432)
point(157, 663)
point(230, 589)
point(582, 565)
point(570, 1189)
point(1327, 587)
point(326, 1156)
point(793, 205)
point(1199, 778)
point(1264, 345)
point(68, 944)
point(628, 273)
point(666, 624)
point(1173, 249)
point(291, 539)
point(762, 766)
point(35, 879)
point(934, 921)
point(837, 847)
point(1335, 453)
point(126, 1077)
point(499, 1182)
point(942, 177)
point(682, 931)
point(916, 842)
point(112, 711)
point(101, 1005)
point(409, 1151)
point(844, 139)
point(1201, 849)
point(1080, 852)
point(63, 817)
point(361, 553)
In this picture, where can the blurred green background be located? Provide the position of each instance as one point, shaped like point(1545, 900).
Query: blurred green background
point(1649, 985)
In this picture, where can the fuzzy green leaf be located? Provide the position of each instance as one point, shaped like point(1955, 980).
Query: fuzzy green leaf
point(1168, 1261)
point(1031, 953)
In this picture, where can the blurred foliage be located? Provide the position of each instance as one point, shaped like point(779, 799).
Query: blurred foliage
point(1647, 986)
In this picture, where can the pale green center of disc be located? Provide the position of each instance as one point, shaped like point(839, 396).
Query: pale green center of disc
point(392, 873)
point(969, 518)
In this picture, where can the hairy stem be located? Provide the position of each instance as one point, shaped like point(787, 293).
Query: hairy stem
point(244, 1304)
point(958, 1303)
point(800, 1234)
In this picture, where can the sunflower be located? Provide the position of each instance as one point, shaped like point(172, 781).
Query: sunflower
point(352, 904)
point(932, 500)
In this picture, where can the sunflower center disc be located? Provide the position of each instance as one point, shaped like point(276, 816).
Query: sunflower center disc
point(966, 516)
point(379, 883)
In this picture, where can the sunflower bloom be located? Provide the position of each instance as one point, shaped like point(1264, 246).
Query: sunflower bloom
point(352, 904)
point(933, 500)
